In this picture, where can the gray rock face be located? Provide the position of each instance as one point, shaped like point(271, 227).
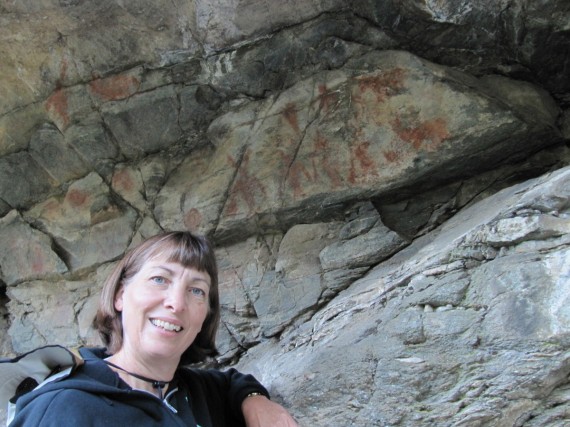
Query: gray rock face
point(87, 225)
point(459, 328)
point(27, 253)
point(386, 183)
point(405, 122)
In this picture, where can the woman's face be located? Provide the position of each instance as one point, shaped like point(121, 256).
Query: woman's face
point(163, 308)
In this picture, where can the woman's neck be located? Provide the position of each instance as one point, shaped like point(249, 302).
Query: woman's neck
point(151, 377)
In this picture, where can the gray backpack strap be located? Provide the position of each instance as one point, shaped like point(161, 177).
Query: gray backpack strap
point(28, 371)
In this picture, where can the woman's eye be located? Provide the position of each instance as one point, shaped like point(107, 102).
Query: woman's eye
point(158, 280)
point(197, 292)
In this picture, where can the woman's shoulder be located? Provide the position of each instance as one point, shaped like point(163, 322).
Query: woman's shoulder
point(231, 380)
point(207, 374)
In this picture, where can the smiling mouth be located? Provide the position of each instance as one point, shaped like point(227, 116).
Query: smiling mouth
point(165, 325)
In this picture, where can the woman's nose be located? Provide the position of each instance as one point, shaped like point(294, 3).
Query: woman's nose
point(175, 299)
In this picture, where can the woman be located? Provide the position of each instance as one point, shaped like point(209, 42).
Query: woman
point(159, 310)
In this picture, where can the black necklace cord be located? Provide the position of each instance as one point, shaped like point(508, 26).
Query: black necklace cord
point(159, 385)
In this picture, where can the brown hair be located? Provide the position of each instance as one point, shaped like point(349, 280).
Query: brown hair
point(183, 247)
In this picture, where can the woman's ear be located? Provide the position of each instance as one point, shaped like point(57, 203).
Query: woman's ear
point(119, 299)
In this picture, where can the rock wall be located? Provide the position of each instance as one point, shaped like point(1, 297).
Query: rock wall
point(467, 325)
point(386, 183)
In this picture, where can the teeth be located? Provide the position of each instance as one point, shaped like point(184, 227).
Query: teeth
point(165, 325)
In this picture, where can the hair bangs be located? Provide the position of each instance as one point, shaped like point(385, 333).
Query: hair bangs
point(188, 252)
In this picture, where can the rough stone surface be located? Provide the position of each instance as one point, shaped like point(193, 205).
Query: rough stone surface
point(26, 252)
point(140, 130)
point(405, 121)
point(386, 182)
point(87, 225)
point(461, 328)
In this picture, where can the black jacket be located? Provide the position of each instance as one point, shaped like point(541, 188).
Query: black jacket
point(94, 395)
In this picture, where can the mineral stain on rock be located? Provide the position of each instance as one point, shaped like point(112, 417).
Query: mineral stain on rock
point(115, 87)
point(427, 135)
point(383, 84)
point(57, 104)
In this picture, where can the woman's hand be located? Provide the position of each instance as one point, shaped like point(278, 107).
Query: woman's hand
point(259, 411)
